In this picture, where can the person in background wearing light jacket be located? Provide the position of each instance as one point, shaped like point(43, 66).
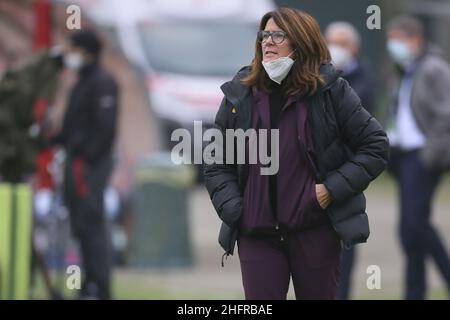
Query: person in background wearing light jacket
point(419, 132)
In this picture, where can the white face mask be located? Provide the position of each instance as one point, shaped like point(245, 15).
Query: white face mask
point(73, 61)
point(279, 68)
point(400, 52)
point(339, 55)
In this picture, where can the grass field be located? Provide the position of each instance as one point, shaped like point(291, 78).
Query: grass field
point(207, 280)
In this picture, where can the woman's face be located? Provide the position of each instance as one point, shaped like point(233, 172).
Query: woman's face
point(270, 49)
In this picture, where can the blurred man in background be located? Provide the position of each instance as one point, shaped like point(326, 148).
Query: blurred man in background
point(344, 45)
point(87, 135)
point(419, 133)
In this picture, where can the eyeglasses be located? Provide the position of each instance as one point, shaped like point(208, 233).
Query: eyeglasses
point(277, 36)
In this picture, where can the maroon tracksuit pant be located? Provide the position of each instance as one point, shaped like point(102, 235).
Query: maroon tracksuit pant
point(311, 258)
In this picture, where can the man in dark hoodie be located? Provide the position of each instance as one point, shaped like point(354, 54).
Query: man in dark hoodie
point(87, 135)
point(419, 133)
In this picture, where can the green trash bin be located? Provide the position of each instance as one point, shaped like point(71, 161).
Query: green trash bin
point(160, 236)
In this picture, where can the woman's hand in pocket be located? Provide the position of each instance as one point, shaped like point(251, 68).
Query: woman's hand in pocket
point(323, 196)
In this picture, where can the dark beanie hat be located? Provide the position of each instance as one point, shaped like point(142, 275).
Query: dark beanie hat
point(88, 40)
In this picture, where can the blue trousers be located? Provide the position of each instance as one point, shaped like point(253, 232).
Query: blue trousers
point(417, 185)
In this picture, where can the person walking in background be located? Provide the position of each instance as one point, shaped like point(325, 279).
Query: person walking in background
point(344, 44)
point(88, 135)
point(419, 133)
point(292, 223)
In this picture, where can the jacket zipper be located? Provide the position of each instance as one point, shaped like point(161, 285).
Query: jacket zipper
point(274, 215)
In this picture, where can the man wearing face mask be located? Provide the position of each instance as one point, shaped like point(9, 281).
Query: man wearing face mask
point(87, 135)
point(419, 134)
point(344, 43)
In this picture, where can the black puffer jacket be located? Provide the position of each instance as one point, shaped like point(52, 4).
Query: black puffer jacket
point(351, 150)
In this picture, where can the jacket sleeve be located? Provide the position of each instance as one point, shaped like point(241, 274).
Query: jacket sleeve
point(364, 135)
point(221, 179)
point(436, 153)
point(105, 118)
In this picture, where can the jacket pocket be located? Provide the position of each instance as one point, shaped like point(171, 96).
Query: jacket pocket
point(344, 210)
point(312, 215)
point(315, 202)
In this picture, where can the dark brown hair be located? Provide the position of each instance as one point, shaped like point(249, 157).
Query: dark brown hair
point(311, 51)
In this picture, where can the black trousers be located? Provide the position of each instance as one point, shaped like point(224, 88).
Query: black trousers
point(84, 185)
point(417, 185)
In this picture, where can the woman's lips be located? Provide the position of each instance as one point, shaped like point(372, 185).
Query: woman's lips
point(270, 54)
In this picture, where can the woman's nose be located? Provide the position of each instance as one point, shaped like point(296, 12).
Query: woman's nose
point(269, 41)
point(269, 44)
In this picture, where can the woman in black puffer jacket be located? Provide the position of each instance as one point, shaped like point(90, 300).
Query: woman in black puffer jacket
point(292, 223)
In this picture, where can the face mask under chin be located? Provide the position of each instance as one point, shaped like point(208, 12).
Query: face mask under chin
point(278, 69)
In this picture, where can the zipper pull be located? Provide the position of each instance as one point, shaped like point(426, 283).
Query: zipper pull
point(225, 255)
